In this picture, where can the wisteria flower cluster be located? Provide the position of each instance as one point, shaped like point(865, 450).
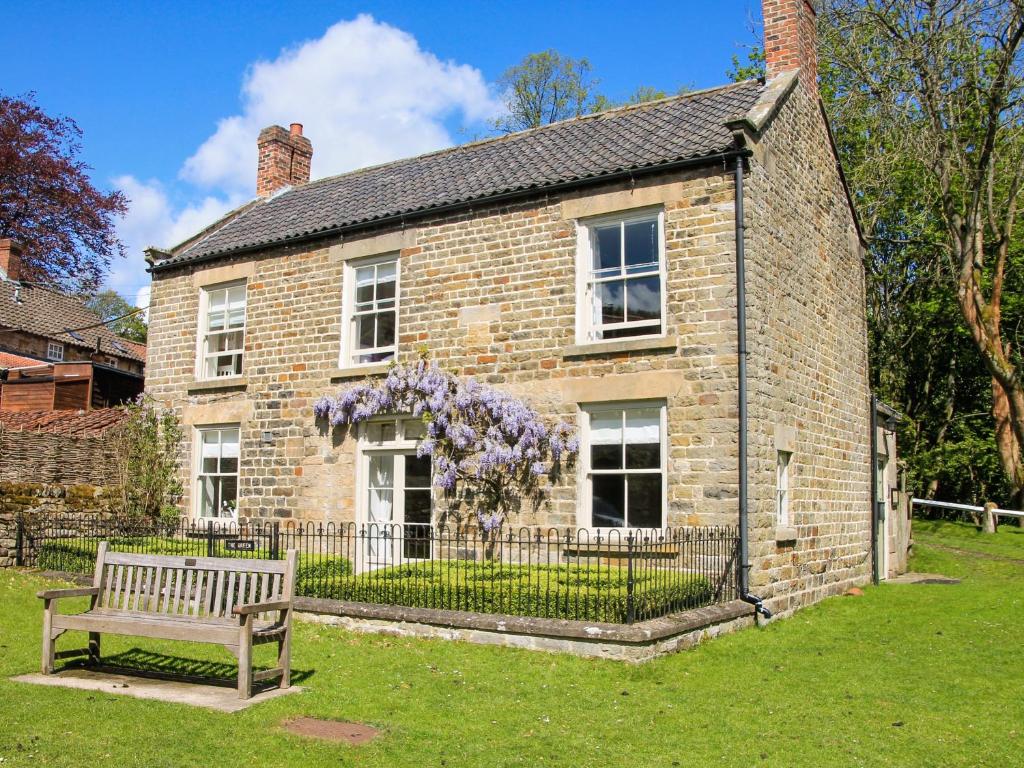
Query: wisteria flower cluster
point(481, 441)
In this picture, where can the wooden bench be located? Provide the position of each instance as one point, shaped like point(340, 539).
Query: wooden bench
point(220, 600)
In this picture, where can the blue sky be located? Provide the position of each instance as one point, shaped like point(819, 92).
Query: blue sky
point(170, 96)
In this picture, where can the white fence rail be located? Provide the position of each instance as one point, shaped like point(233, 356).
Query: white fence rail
point(966, 507)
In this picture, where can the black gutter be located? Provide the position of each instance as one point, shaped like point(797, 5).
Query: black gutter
point(404, 218)
point(741, 375)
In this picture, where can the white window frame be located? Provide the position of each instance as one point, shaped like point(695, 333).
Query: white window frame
point(349, 351)
point(55, 351)
point(198, 474)
point(783, 498)
point(404, 443)
point(585, 511)
point(202, 353)
point(587, 331)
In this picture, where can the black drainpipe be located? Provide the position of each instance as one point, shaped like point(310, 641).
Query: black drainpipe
point(875, 576)
point(741, 352)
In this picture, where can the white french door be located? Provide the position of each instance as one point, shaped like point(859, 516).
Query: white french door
point(396, 508)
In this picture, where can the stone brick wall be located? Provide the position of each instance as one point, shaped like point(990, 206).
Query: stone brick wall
point(490, 293)
point(808, 364)
point(37, 502)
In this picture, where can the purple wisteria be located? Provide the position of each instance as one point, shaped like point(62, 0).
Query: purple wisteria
point(484, 444)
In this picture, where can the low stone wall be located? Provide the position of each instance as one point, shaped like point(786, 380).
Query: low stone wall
point(635, 643)
point(45, 457)
point(34, 503)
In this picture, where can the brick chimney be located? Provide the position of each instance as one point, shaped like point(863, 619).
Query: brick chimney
point(284, 159)
point(10, 258)
point(791, 39)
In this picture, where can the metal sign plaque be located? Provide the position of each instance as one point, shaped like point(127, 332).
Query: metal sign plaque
point(240, 545)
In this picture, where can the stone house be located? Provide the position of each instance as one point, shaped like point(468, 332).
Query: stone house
point(681, 279)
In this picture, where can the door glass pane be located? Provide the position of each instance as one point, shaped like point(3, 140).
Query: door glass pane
point(641, 242)
point(608, 503)
point(644, 501)
point(417, 472)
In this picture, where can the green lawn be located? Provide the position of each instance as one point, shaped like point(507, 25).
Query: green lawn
point(907, 675)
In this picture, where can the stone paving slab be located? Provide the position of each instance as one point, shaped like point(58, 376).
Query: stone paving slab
point(922, 578)
point(210, 696)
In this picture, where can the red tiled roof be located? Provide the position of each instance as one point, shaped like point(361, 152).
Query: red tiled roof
point(8, 360)
point(77, 423)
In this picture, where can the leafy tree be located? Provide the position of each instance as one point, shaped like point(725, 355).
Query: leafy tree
point(544, 88)
point(125, 319)
point(47, 201)
point(752, 69)
point(925, 96)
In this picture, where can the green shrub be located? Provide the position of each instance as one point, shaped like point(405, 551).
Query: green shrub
point(314, 572)
point(67, 556)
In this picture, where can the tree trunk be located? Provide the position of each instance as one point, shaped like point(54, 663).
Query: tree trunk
point(1006, 440)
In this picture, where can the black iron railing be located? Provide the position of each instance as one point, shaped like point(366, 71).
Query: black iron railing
point(580, 574)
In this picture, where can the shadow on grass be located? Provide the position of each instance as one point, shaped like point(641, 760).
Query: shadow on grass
point(141, 663)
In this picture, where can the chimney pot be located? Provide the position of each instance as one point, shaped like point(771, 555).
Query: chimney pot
point(10, 258)
point(791, 39)
point(284, 159)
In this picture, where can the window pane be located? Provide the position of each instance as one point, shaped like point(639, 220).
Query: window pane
point(209, 465)
point(607, 247)
point(415, 429)
point(208, 497)
point(643, 456)
point(228, 496)
point(382, 471)
point(385, 329)
point(364, 296)
point(643, 298)
point(216, 321)
point(606, 428)
point(643, 425)
point(644, 501)
point(218, 300)
point(417, 506)
point(236, 318)
point(417, 473)
point(613, 308)
point(641, 242)
point(236, 298)
point(365, 326)
point(386, 290)
point(606, 457)
point(386, 272)
point(608, 503)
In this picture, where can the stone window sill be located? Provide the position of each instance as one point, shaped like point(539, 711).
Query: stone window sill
point(359, 371)
point(621, 345)
point(785, 534)
point(227, 384)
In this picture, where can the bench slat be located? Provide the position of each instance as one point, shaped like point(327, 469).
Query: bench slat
point(154, 590)
point(229, 598)
point(209, 563)
point(139, 572)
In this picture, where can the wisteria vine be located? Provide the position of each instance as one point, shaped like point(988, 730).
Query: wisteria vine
point(484, 444)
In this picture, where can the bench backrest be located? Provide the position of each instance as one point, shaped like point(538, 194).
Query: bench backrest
point(208, 587)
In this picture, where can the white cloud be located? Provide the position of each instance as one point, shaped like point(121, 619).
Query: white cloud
point(365, 92)
point(154, 220)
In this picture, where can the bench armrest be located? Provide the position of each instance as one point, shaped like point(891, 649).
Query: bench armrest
point(277, 605)
point(54, 594)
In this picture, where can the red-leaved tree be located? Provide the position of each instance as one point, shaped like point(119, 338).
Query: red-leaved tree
point(49, 204)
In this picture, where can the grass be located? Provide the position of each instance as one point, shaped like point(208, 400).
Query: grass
point(907, 675)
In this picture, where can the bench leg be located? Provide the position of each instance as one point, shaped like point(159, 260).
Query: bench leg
point(48, 639)
point(245, 658)
point(94, 647)
point(284, 652)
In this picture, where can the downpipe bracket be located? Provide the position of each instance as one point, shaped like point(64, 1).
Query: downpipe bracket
point(760, 608)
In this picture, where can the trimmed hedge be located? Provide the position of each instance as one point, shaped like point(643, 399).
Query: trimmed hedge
point(587, 593)
point(563, 592)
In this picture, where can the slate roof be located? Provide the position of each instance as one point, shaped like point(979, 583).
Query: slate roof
point(644, 136)
point(77, 423)
point(47, 313)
